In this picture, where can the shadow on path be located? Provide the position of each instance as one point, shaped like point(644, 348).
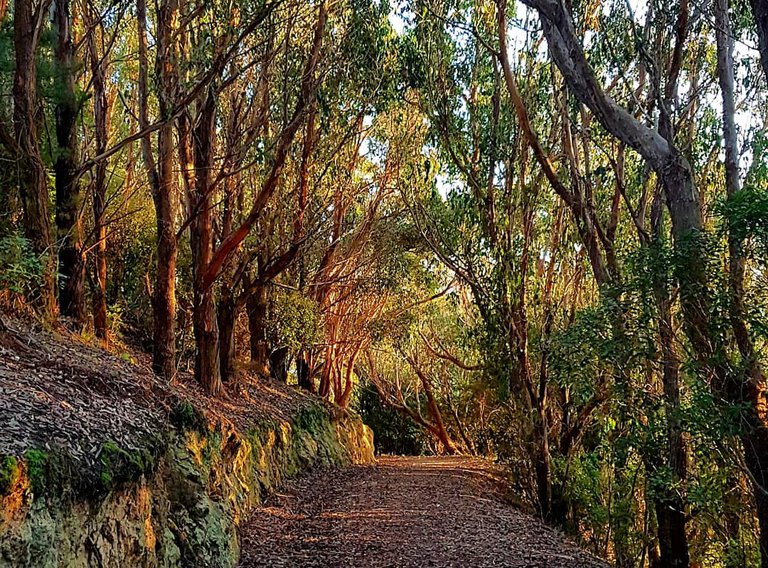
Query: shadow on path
point(403, 512)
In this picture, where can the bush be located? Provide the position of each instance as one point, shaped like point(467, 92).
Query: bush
point(20, 268)
point(393, 433)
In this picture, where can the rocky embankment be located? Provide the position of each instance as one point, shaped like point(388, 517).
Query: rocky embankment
point(102, 464)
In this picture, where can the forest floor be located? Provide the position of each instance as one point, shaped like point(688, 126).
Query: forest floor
point(403, 512)
point(60, 394)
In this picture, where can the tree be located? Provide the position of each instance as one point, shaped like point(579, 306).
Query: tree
point(28, 22)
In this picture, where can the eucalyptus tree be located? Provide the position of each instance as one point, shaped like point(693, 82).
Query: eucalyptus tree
point(29, 20)
point(684, 202)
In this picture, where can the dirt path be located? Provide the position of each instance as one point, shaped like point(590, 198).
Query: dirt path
point(404, 512)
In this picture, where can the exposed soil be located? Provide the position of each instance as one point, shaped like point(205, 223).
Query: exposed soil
point(403, 512)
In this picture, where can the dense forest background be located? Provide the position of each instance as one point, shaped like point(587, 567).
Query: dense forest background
point(531, 231)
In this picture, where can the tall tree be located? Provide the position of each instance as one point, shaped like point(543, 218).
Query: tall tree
point(28, 24)
point(162, 176)
point(685, 207)
point(69, 198)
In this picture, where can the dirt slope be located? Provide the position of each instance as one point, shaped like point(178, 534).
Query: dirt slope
point(404, 512)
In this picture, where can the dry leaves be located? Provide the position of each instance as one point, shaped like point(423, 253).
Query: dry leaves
point(404, 512)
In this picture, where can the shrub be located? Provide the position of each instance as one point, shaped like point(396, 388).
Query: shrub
point(20, 268)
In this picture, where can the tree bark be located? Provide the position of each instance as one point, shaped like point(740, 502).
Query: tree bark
point(68, 193)
point(99, 187)
point(28, 18)
point(227, 310)
point(205, 323)
point(749, 387)
point(437, 427)
point(760, 14)
point(162, 182)
point(256, 306)
point(278, 364)
point(303, 373)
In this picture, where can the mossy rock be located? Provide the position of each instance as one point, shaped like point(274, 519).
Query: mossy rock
point(186, 417)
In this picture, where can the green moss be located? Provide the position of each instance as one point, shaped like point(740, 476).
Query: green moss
point(37, 466)
point(186, 417)
point(212, 450)
point(123, 466)
point(9, 473)
point(312, 419)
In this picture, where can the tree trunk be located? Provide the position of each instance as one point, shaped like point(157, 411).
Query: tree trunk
point(278, 364)
point(27, 24)
point(68, 193)
point(670, 509)
point(438, 425)
point(162, 182)
point(164, 298)
point(207, 358)
point(227, 345)
point(449, 447)
point(760, 14)
point(205, 323)
point(303, 373)
point(99, 186)
point(543, 464)
point(256, 306)
point(668, 501)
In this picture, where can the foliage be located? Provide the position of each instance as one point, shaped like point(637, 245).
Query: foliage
point(20, 269)
point(119, 465)
point(292, 320)
point(39, 464)
point(393, 433)
point(187, 417)
point(9, 472)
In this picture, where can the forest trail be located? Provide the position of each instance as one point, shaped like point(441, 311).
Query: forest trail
point(403, 512)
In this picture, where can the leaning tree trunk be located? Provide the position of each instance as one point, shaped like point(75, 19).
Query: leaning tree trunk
point(68, 194)
point(684, 204)
point(27, 23)
point(437, 427)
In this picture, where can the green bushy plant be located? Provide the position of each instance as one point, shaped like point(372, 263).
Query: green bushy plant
point(20, 268)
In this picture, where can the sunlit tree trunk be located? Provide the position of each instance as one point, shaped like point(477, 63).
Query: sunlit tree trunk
point(200, 190)
point(161, 175)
